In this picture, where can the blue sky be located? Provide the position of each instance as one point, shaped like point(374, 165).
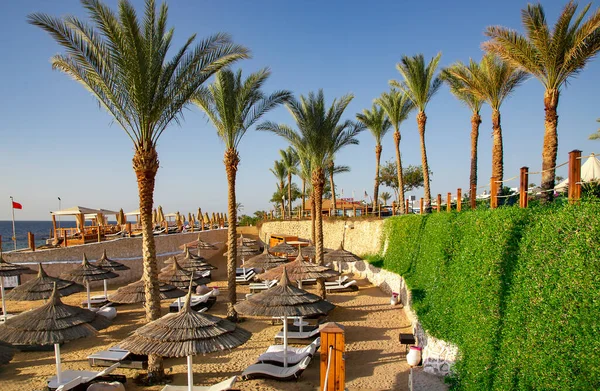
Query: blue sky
point(56, 142)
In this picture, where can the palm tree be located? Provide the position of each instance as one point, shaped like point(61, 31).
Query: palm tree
point(305, 175)
point(234, 105)
point(290, 160)
point(397, 106)
point(385, 197)
point(320, 134)
point(376, 121)
point(332, 169)
point(420, 84)
point(552, 57)
point(466, 95)
point(123, 63)
point(279, 171)
point(492, 80)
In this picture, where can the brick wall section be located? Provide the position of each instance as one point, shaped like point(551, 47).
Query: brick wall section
point(127, 251)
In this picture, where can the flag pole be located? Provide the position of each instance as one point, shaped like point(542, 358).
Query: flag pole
point(14, 238)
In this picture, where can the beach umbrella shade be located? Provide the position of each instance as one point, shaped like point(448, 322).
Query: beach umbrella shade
point(200, 220)
point(109, 264)
point(154, 216)
point(187, 255)
point(160, 216)
point(52, 324)
point(7, 352)
point(135, 293)
point(265, 261)
point(121, 217)
point(191, 264)
point(85, 273)
point(199, 244)
point(284, 248)
point(41, 287)
point(185, 334)
point(284, 300)
point(179, 277)
point(340, 255)
point(311, 251)
point(298, 270)
point(9, 270)
point(246, 241)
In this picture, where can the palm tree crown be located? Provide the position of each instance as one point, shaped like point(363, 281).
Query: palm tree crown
point(290, 160)
point(376, 121)
point(420, 81)
point(397, 106)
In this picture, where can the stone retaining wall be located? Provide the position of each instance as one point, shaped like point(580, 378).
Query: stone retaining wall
point(366, 238)
point(126, 250)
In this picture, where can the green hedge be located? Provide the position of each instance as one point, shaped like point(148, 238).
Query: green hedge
point(517, 290)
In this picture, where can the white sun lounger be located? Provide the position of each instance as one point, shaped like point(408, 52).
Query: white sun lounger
point(276, 372)
point(298, 334)
point(222, 386)
point(336, 282)
point(196, 299)
point(245, 277)
point(261, 286)
point(85, 377)
point(346, 285)
point(294, 355)
point(279, 348)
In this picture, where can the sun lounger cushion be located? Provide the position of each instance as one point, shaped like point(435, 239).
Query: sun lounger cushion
point(294, 356)
point(298, 334)
point(270, 371)
point(279, 348)
point(108, 312)
point(350, 285)
point(222, 386)
point(336, 282)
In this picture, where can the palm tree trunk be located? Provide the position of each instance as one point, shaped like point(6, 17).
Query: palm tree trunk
point(231, 161)
point(378, 149)
point(313, 216)
point(475, 122)
point(333, 200)
point(303, 196)
point(318, 182)
point(497, 150)
point(282, 189)
point(145, 165)
point(550, 148)
point(400, 173)
point(290, 195)
point(421, 121)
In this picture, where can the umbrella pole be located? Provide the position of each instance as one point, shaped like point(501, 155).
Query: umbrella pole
point(89, 300)
point(3, 302)
point(340, 270)
point(58, 370)
point(285, 341)
point(105, 290)
point(179, 304)
point(190, 373)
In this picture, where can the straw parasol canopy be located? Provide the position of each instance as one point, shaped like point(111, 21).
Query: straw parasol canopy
point(41, 287)
point(265, 261)
point(284, 300)
point(187, 255)
point(52, 324)
point(284, 248)
point(244, 251)
point(180, 277)
point(108, 264)
point(85, 273)
point(135, 293)
point(121, 217)
point(160, 216)
point(6, 353)
point(185, 333)
point(341, 255)
point(311, 251)
point(9, 270)
point(246, 241)
point(298, 270)
point(199, 244)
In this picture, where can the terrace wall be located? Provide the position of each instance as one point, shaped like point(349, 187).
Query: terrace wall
point(126, 250)
point(364, 237)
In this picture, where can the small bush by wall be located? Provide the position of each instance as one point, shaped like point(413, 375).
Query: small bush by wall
point(517, 290)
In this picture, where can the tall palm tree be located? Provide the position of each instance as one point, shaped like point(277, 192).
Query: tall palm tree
point(279, 171)
point(492, 80)
point(290, 160)
point(332, 169)
point(234, 105)
point(385, 197)
point(466, 95)
point(305, 175)
point(379, 124)
point(552, 57)
point(122, 62)
point(397, 106)
point(320, 134)
point(420, 84)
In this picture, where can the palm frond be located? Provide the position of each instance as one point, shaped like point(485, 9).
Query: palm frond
point(420, 82)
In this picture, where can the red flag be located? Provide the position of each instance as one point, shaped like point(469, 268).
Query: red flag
point(16, 205)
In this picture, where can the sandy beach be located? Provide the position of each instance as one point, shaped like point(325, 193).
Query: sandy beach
point(374, 358)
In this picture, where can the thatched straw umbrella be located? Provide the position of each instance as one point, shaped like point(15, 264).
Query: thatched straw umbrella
point(311, 251)
point(6, 353)
point(121, 219)
point(187, 255)
point(85, 273)
point(284, 248)
point(246, 241)
point(191, 264)
point(109, 264)
point(181, 278)
point(284, 300)
point(9, 270)
point(299, 270)
point(199, 244)
point(41, 287)
point(340, 255)
point(265, 261)
point(160, 216)
point(243, 252)
point(52, 324)
point(135, 293)
point(185, 333)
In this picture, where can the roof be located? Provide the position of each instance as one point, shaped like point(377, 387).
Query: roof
point(76, 210)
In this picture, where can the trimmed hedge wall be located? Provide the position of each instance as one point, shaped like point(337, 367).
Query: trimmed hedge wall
point(517, 290)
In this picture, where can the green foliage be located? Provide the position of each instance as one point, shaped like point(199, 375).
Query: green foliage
point(515, 289)
point(412, 176)
point(246, 220)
